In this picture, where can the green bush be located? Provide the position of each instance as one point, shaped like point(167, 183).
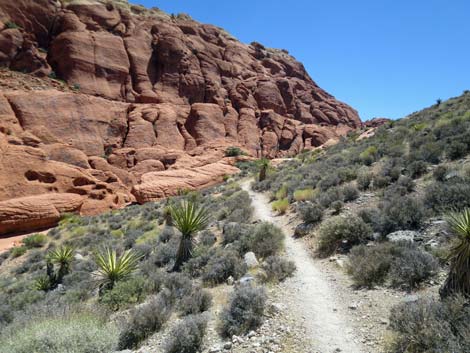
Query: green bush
point(440, 173)
point(35, 241)
point(341, 233)
point(72, 333)
point(310, 212)
point(223, 264)
point(198, 301)
point(233, 152)
point(363, 180)
point(337, 206)
point(428, 325)
point(304, 194)
point(451, 195)
point(125, 293)
point(416, 169)
point(280, 206)
point(401, 213)
point(267, 240)
point(350, 193)
point(17, 251)
point(277, 269)
point(244, 312)
point(398, 264)
point(188, 335)
point(145, 320)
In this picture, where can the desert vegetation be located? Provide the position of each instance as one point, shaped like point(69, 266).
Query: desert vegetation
point(117, 279)
point(397, 206)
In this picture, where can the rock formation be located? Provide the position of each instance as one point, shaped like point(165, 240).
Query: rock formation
point(148, 104)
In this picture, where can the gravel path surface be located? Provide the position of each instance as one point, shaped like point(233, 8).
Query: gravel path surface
point(311, 298)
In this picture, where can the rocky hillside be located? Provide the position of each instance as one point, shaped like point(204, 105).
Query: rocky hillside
point(118, 103)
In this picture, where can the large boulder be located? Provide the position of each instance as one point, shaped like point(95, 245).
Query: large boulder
point(36, 212)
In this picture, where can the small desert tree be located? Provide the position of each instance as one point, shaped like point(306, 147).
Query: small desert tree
point(263, 168)
point(189, 219)
point(458, 280)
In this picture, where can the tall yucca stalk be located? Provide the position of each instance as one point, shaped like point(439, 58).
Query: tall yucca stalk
point(113, 268)
point(263, 168)
point(188, 219)
point(458, 280)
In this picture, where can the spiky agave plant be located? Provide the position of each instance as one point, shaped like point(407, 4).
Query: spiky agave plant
point(458, 280)
point(264, 164)
point(113, 268)
point(189, 219)
point(62, 257)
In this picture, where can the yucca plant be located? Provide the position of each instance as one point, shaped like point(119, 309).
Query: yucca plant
point(264, 165)
point(189, 219)
point(458, 280)
point(113, 268)
point(61, 257)
point(42, 283)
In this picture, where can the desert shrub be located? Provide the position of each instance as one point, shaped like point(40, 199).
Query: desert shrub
point(281, 193)
point(430, 326)
point(341, 233)
point(236, 232)
point(201, 256)
point(18, 251)
point(281, 205)
point(233, 152)
point(145, 320)
point(411, 268)
point(328, 181)
point(35, 240)
point(198, 301)
point(371, 216)
point(125, 293)
point(400, 264)
point(407, 183)
point(165, 253)
point(244, 312)
point(236, 208)
point(74, 333)
point(304, 194)
point(440, 173)
point(447, 196)
point(456, 150)
point(166, 234)
point(363, 180)
point(369, 266)
point(346, 174)
point(325, 199)
point(277, 268)
point(337, 206)
point(380, 181)
point(207, 238)
point(401, 213)
point(179, 284)
point(310, 212)
point(267, 240)
point(416, 169)
point(369, 155)
point(223, 264)
point(187, 336)
point(350, 193)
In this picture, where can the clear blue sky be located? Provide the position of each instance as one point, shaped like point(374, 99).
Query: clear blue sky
point(383, 57)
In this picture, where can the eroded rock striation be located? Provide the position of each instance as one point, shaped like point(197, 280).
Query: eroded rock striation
point(149, 104)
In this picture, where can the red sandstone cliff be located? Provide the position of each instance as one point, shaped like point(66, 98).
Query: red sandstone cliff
point(149, 104)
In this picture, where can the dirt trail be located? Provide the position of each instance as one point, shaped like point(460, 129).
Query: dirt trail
point(311, 297)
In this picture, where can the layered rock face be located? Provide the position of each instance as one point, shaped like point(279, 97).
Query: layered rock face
point(151, 102)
